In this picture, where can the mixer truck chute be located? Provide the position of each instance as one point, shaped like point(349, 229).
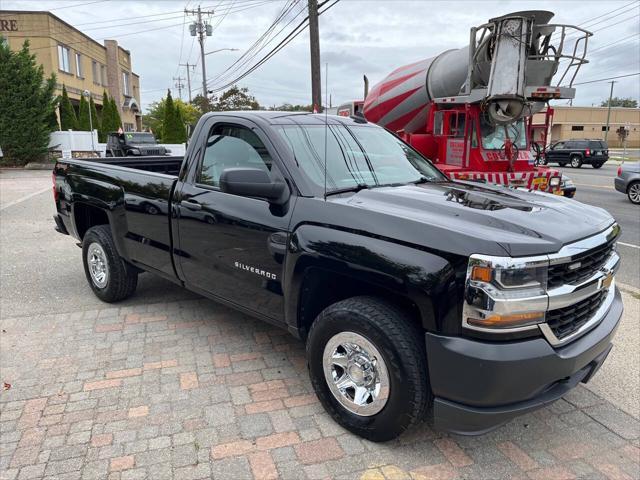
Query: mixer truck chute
point(469, 109)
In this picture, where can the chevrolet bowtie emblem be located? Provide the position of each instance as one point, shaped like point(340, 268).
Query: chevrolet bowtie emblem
point(607, 280)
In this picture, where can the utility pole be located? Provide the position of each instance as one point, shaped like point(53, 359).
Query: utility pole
point(188, 65)
point(202, 29)
point(314, 37)
point(606, 132)
point(179, 85)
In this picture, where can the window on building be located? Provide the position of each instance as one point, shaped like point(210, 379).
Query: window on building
point(577, 128)
point(125, 83)
point(604, 128)
point(79, 70)
point(64, 59)
point(95, 72)
point(129, 127)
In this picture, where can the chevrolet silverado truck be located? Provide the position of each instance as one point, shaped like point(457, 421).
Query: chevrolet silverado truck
point(415, 295)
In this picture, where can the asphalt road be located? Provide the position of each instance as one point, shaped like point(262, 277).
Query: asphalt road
point(595, 187)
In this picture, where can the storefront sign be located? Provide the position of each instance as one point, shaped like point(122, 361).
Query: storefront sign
point(8, 25)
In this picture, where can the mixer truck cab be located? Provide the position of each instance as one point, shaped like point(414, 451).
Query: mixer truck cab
point(413, 294)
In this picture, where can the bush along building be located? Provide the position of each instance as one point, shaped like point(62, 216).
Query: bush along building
point(79, 63)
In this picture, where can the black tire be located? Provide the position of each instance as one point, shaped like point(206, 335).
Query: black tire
point(121, 280)
point(576, 161)
point(400, 343)
point(596, 165)
point(633, 192)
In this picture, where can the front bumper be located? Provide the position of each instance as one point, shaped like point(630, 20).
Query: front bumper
point(480, 385)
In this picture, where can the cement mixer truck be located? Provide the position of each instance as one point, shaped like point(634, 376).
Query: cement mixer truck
point(469, 110)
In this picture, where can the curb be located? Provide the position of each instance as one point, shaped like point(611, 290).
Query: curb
point(39, 166)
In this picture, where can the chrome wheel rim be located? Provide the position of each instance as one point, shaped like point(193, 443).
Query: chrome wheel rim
point(97, 261)
point(634, 193)
point(356, 373)
point(575, 163)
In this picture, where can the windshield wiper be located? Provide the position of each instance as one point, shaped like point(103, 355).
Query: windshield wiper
point(354, 188)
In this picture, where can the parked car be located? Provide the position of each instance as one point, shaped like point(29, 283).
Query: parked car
point(567, 186)
point(126, 144)
point(576, 153)
point(409, 290)
point(628, 181)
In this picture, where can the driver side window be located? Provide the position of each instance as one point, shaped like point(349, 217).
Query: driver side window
point(231, 146)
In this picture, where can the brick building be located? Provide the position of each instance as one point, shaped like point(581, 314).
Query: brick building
point(591, 122)
point(79, 62)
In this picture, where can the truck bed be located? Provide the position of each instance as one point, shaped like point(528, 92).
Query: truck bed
point(157, 164)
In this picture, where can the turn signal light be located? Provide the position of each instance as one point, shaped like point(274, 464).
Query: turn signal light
point(481, 274)
point(508, 321)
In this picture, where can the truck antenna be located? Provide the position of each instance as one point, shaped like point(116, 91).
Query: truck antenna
point(326, 125)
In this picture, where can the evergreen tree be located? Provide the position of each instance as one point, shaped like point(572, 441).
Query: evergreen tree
point(26, 102)
point(181, 129)
point(94, 116)
point(83, 118)
point(170, 127)
point(68, 119)
point(104, 118)
point(117, 121)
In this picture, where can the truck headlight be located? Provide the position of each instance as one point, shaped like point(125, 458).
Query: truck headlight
point(505, 293)
point(554, 182)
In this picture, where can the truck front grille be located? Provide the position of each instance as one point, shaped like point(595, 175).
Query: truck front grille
point(565, 321)
point(581, 266)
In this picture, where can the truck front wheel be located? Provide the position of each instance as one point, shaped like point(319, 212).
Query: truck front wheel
point(367, 363)
point(109, 277)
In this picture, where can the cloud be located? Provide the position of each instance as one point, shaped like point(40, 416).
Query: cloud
point(357, 37)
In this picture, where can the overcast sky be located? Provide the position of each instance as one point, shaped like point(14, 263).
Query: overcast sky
point(356, 37)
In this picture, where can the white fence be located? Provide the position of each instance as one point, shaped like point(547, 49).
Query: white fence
point(71, 141)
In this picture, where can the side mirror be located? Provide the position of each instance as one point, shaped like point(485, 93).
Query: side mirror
point(253, 182)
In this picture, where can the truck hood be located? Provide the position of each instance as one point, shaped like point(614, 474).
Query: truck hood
point(522, 222)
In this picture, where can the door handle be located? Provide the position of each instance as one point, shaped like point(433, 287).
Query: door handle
point(191, 205)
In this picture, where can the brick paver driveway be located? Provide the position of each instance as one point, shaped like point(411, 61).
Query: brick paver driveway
point(188, 389)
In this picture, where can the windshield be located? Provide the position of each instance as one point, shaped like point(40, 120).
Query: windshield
point(493, 136)
point(357, 156)
point(140, 138)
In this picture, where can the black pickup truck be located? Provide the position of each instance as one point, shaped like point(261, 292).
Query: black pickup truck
point(412, 293)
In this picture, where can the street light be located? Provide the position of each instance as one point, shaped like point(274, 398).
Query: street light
point(87, 94)
point(222, 50)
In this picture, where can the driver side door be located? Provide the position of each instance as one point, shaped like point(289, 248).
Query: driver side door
point(233, 247)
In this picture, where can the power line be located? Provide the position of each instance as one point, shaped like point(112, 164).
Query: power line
point(616, 42)
point(252, 51)
point(605, 79)
point(300, 28)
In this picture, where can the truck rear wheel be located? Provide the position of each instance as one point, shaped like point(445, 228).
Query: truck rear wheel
point(576, 161)
point(367, 363)
point(110, 278)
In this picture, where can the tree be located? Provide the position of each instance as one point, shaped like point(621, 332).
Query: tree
point(26, 102)
point(620, 102)
point(287, 107)
point(68, 119)
point(203, 104)
point(236, 98)
point(154, 117)
point(83, 117)
point(103, 128)
point(171, 126)
point(180, 126)
point(95, 120)
point(117, 121)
